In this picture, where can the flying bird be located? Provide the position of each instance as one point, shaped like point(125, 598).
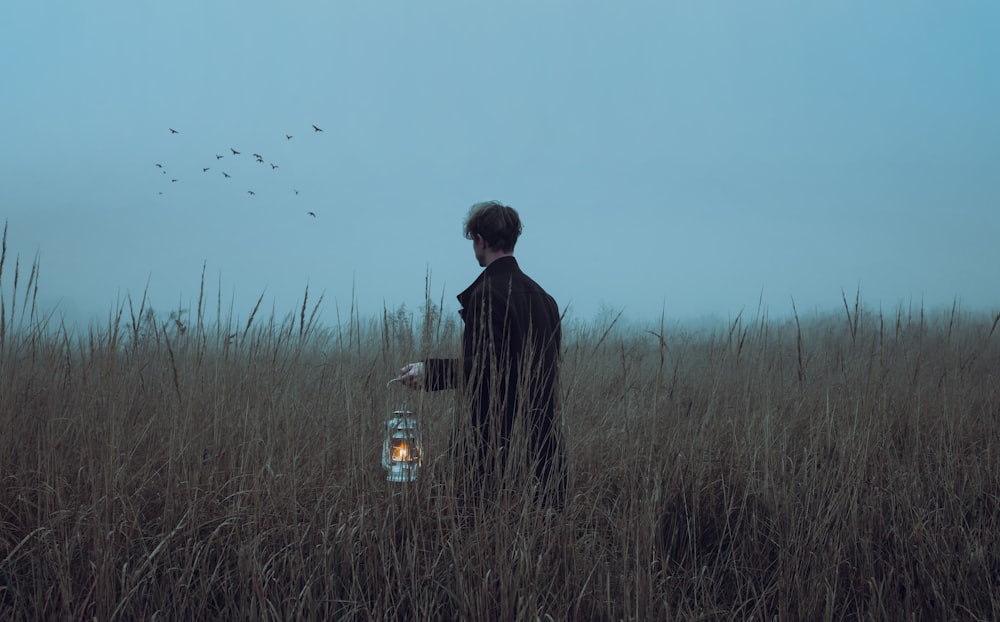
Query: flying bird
point(173, 131)
point(173, 180)
point(235, 152)
point(226, 175)
point(313, 214)
point(273, 166)
point(204, 169)
point(159, 166)
point(317, 129)
point(251, 192)
point(218, 157)
point(295, 191)
point(288, 136)
point(258, 156)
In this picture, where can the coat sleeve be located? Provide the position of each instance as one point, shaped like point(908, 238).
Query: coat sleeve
point(484, 337)
point(440, 374)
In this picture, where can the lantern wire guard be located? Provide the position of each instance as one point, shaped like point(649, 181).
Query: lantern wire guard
point(402, 445)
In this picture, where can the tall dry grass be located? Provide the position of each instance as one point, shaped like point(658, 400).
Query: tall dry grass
point(214, 467)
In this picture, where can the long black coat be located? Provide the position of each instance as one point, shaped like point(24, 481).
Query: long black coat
point(509, 372)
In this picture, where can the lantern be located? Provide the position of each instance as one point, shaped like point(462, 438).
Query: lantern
point(402, 449)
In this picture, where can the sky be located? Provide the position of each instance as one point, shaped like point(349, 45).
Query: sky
point(673, 159)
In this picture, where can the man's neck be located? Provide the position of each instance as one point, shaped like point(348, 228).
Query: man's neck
point(492, 256)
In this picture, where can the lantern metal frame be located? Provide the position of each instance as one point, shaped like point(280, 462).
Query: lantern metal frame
point(402, 444)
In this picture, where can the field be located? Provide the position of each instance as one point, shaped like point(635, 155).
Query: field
point(194, 466)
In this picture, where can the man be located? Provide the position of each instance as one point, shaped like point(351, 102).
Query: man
point(509, 369)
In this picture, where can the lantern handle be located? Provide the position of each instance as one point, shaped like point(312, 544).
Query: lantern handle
point(397, 379)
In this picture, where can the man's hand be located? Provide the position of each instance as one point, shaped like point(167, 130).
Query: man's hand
point(412, 375)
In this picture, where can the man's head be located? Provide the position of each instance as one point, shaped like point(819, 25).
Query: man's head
point(493, 228)
point(498, 225)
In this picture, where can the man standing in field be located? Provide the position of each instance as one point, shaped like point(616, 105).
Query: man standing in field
point(509, 369)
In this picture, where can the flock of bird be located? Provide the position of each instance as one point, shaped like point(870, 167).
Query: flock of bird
point(234, 153)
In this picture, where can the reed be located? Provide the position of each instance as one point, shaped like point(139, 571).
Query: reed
point(834, 467)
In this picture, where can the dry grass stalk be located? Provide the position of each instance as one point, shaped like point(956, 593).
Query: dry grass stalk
point(811, 469)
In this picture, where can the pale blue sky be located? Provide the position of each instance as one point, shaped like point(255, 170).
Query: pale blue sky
point(686, 157)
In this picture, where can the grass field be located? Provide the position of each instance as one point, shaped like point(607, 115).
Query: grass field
point(199, 467)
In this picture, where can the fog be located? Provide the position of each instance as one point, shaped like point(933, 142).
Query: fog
point(687, 161)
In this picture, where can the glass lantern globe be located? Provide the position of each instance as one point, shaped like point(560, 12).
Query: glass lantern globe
point(402, 447)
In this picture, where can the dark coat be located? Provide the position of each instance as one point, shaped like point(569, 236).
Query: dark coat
point(509, 372)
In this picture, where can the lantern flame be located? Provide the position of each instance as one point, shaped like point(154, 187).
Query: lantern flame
point(400, 450)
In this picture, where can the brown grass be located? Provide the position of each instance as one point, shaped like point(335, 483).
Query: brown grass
point(840, 467)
